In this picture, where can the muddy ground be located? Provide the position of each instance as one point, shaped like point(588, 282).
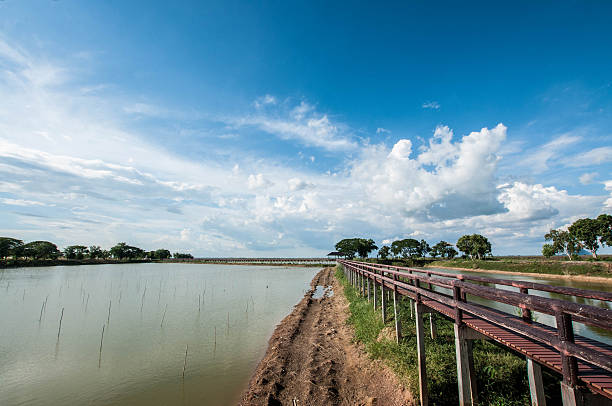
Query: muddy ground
point(312, 360)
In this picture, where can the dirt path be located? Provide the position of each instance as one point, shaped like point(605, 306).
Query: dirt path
point(311, 359)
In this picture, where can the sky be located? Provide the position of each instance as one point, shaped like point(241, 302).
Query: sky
point(278, 128)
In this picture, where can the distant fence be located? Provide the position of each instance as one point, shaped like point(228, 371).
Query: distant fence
point(582, 362)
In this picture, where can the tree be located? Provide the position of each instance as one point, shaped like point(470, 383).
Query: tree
point(364, 247)
point(41, 250)
point(408, 247)
point(75, 251)
point(474, 245)
point(182, 256)
point(605, 226)
point(159, 254)
point(124, 251)
point(9, 246)
point(562, 243)
point(587, 233)
point(95, 252)
point(443, 249)
point(384, 252)
point(423, 248)
point(548, 250)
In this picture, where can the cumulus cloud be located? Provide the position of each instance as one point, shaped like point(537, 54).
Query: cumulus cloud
point(453, 176)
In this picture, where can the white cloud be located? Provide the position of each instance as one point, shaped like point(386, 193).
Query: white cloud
point(538, 161)
point(431, 105)
point(258, 182)
point(21, 202)
point(302, 124)
point(588, 178)
point(299, 184)
point(381, 130)
point(593, 157)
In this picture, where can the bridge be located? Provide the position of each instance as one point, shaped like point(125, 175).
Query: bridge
point(258, 261)
point(585, 364)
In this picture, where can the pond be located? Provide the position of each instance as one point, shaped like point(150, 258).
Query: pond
point(219, 316)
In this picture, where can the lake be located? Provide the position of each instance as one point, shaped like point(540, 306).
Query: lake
point(151, 314)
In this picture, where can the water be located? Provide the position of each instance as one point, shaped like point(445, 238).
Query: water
point(225, 314)
point(599, 334)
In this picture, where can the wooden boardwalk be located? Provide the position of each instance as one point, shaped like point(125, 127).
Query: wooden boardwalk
point(585, 364)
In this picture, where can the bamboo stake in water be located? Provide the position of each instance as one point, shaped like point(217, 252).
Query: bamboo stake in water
point(86, 303)
point(199, 303)
point(41, 310)
point(109, 310)
point(60, 324)
point(101, 340)
point(142, 301)
point(164, 316)
point(185, 363)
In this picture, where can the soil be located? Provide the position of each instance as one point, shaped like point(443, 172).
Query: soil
point(312, 359)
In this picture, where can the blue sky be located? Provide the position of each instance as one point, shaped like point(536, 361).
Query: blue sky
point(278, 128)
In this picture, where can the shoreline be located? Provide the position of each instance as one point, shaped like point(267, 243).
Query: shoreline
point(312, 359)
point(580, 278)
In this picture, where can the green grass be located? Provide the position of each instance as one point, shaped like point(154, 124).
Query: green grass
point(553, 267)
point(501, 375)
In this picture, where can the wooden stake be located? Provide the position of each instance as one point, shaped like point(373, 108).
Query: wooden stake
point(185, 363)
point(101, 340)
point(60, 324)
point(164, 316)
point(109, 310)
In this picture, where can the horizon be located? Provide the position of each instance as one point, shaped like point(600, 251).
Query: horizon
point(277, 131)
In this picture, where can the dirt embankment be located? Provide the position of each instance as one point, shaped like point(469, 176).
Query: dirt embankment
point(311, 359)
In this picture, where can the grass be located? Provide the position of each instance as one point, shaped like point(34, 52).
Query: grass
point(542, 266)
point(501, 375)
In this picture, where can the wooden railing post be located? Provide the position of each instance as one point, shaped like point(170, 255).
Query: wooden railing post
point(466, 377)
point(526, 313)
point(368, 282)
point(374, 288)
point(383, 299)
point(398, 326)
point(536, 385)
point(423, 391)
point(570, 393)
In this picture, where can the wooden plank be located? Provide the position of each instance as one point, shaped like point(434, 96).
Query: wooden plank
point(423, 391)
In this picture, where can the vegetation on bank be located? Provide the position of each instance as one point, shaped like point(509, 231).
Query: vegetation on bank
point(14, 252)
point(501, 375)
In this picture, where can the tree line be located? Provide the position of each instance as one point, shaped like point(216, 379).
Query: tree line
point(473, 246)
point(17, 249)
point(588, 234)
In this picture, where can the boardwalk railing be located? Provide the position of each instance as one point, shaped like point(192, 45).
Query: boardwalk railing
point(583, 362)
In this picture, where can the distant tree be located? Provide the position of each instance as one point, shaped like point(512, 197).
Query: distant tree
point(548, 250)
point(365, 246)
point(124, 251)
point(76, 251)
point(160, 254)
point(474, 245)
point(443, 249)
point(178, 255)
point(384, 252)
point(587, 233)
point(605, 226)
point(9, 246)
point(408, 247)
point(95, 252)
point(41, 250)
point(562, 243)
point(423, 248)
